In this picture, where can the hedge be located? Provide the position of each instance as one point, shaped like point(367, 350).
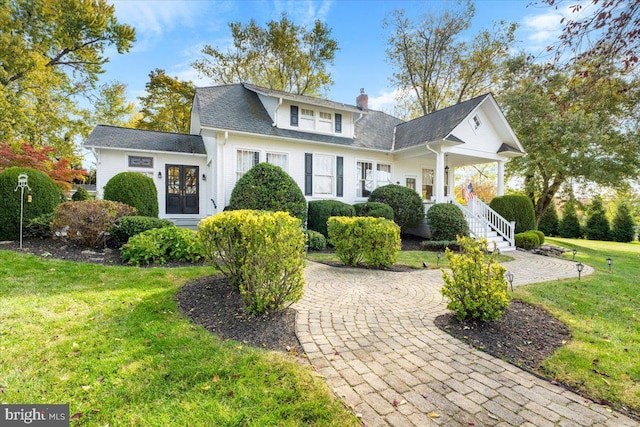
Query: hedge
point(518, 208)
point(321, 210)
point(446, 222)
point(374, 209)
point(408, 209)
point(133, 189)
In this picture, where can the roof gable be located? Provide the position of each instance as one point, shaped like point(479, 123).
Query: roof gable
point(104, 136)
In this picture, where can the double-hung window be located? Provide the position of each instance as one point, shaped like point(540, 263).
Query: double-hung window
point(278, 159)
point(383, 174)
point(246, 159)
point(323, 174)
point(364, 179)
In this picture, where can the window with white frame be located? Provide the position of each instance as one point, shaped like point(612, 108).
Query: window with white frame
point(476, 122)
point(323, 174)
point(246, 159)
point(427, 184)
point(278, 159)
point(383, 174)
point(324, 116)
point(140, 162)
point(410, 183)
point(364, 179)
point(306, 113)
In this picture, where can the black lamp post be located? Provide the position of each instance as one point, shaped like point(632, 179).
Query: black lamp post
point(609, 261)
point(580, 267)
point(509, 277)
point(575, 251)
point(439, 255)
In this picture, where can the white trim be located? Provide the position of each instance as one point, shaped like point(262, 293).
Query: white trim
point(138, 150)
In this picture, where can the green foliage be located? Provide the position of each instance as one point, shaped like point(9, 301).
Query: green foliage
point(316, 241)
point(446, 222)
point(133, 189)
point(45, 196)
point(540, 234)
point(374, 241)
point(160, 245)
point(518, 208)
point(476, 287)
point(321, 210)
point(282, 56)
point(569, 226)
point(128, 226)
point(80, 195)
point(439, 245)
point(408, 210)
point(112, 107)
point(374, 209)
point(262, 253)
point(597, 225)
point(39, 227)
point(549, 223)
point(268, 187)
point(527, 240)
point(167, 105)
point(88, 222)
point(623, 229)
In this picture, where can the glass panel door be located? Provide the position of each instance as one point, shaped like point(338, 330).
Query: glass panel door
point(182, 189)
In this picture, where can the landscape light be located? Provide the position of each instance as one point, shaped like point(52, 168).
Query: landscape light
point(439, 255)
point(580, 267)
point(609, 261)
point(575, 251)
point(509, 277)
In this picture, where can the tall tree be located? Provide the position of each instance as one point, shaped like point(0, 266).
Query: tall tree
point(111, 106)
point(599, 32)
point(435, 67)
point(573, 130)
point(51, 51)
point(282, 56)
point(167, 105)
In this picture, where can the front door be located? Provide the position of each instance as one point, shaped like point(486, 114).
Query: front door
point(183, 189)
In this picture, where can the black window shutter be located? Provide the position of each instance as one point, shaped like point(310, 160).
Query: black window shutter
point(340, 176)
point(338, 123)
point(308, 174)
point(294, 115)
point(256, 157)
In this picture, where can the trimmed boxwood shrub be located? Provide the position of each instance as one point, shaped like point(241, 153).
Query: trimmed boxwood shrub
point(623, 229)
point(128, 226)
point(88, 222)
point(549, 222)
point(316, 241)
point(446, 222)
point(541, 236)
point(267, 187)
point(569, 226)
point(518, 208)
point(321, 210)
point(160, 245)
point(133, 189)
point(376, 241)
point(374, 209)
point(262, 253)
point(597, 225)
point(80, 195)
point(45, 196)
point(527, 240)
point(408, 210)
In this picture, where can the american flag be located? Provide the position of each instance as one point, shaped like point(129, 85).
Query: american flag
point(469, 193)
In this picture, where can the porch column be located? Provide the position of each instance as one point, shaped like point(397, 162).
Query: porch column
point(500, 178)
point(439, 177)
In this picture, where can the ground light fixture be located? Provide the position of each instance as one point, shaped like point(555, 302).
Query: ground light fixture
point(575, 251)
point(439, 255)
point(609, 261)
point(509, 277)
point(580, 267)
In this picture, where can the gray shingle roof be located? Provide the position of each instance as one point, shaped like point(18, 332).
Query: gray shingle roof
point(505, 148)
point(302, 98)
point(104, 136)
point(375, 130)
point(435, 126)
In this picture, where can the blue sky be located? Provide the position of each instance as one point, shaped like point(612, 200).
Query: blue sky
point(170, 35)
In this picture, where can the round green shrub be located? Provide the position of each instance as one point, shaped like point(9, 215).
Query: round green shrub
point(80, 195)
point(623, 229)
point(160, 245)
point(527, 240)
point(374, 209)
point(597, 225)
point(540, 235)
point(128, 226)
point(549, 222)
point(446, 222)
point(268, 187)
point(321, 210)
point(45, 196)
point(316, 241)
point(518, 208)
point(133, 189)
point(569, 226)
point(408, 210)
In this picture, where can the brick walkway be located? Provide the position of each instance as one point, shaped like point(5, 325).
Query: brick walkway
point(371, 335)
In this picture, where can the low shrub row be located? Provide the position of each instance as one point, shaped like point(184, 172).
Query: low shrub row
point(161, 245)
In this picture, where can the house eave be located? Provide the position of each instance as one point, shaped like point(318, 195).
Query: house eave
point(141, 150)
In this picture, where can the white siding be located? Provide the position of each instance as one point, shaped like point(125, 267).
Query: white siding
point(483, 141)
point(284, 120)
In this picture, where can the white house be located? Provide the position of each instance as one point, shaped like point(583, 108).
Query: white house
point(332, 150)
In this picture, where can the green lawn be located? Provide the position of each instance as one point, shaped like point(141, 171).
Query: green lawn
point(111, 342)
point(603, 312)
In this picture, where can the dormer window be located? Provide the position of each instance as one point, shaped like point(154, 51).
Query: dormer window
point(325, 117)
point(306, 114)
point(338, 123)
point(294, 115)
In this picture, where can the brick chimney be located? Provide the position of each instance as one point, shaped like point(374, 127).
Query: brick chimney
point(362, 101)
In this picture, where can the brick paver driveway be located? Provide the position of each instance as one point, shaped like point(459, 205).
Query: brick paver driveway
point(371, 335)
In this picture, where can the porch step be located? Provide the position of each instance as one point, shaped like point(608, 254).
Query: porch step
point(191, 223)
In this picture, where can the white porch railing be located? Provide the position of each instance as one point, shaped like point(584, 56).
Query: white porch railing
point(490, 218)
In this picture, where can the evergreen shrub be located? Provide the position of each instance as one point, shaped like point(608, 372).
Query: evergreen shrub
point(408, 210)
point(268, 187)
point(133, 189)
point(374, 241)
point(446, 222)
point(80, 195)
point(88, 222)
point(541, 236)
point(569, 226)
point(161, 245)
point(321, 210)
point(45, 196)
point(316, 241)
point(518, 208)
point(476, 286)
point(128, 226)
point(549, 222)
point(439, 245)
point(261, 253)
point(623, 227)
point(597, 225)
point(374, 209)
point(527, 240)
point(39, 227)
